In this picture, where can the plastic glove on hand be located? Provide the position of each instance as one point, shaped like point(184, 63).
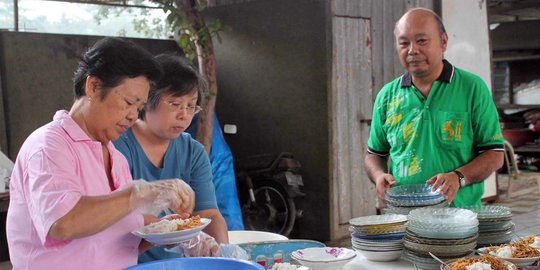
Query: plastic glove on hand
point(233, 251)
point(184, 200)
point(155, 197)
point(203, 245)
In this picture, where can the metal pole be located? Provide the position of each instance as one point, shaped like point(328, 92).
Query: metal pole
point(16, 14)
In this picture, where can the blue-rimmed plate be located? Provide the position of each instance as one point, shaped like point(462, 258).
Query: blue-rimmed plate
point(387, 236)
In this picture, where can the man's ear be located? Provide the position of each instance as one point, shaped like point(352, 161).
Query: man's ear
point(444, 41)
point(91, 87)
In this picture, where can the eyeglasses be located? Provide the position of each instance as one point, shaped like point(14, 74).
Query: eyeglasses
point(175, 107)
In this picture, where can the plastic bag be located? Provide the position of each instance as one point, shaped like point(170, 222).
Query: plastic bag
point(204, 245)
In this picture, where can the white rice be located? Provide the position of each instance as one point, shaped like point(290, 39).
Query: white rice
point(163, 226)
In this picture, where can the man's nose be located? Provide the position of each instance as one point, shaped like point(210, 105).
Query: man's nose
point(413, 48)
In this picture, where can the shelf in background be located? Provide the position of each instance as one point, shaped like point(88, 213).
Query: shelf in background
point(527, 148)
point(517, 106)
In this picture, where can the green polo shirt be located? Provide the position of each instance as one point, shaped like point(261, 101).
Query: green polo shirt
point(424, 137)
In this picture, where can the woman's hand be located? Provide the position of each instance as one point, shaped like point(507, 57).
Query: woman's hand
point(186, 202)
point(203, 245)
point(149, 219)
point(155, 197)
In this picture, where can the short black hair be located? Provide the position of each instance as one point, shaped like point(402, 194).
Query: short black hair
point(178, 78)
point(112, 60)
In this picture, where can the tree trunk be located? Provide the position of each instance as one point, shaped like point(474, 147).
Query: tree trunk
point(207, 68)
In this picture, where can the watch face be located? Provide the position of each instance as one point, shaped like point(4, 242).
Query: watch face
point(462, 182)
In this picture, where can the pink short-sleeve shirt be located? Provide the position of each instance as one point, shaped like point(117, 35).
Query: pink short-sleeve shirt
point(57, 165)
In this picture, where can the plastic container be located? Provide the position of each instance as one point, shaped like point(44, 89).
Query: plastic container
point(198, 264)
point(269, 251)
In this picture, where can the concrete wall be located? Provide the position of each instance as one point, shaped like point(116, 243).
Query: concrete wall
point(272, 73)
point(36, 73)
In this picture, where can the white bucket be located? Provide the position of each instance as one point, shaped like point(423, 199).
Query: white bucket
point(242, 237)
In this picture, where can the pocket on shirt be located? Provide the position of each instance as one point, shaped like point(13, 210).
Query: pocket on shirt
point(453, 129)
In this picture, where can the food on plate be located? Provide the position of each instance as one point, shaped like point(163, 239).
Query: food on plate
point(165, 226)
point(533, 241)
point(486, 262)
point(518, 249)
point(284, 266)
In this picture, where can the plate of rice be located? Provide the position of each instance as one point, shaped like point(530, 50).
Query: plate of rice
point(168, 232)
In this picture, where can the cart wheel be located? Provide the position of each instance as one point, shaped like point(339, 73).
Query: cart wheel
point(273, 211)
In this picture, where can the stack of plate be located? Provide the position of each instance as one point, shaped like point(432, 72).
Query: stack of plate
point(448, 233)
point(378, 238)
point(405, 198)
point(495, 224)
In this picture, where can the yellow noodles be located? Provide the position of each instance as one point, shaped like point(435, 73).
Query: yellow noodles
point(189, 223)
point(495, 263)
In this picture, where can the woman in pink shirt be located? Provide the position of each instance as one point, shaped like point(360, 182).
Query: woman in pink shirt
point(73, 204)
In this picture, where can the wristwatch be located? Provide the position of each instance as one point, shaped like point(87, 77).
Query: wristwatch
point(461, 178)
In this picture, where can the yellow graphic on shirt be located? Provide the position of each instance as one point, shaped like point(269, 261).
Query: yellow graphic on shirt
point(414, 166)
point(411, 165)
point(394, 104)
point(393, 120)
point(408, 131)
point(452, 134)
point(394, 116)
point(497, 137)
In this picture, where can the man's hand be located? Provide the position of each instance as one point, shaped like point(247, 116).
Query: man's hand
point(449, 183)
point(382, 183)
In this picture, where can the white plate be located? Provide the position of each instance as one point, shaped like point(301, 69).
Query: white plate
point(323, 254)
point(516, 261)
point(171, 237)
point(381, 256)
point(319, 258)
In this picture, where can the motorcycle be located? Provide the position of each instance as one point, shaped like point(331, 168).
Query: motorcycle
point(268, 186)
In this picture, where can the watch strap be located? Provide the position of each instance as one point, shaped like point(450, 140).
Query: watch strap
point(460, 177)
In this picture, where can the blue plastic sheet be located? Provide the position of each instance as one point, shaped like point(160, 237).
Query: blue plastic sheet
point(222, 163)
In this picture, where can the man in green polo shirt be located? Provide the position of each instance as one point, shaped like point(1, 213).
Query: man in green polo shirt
point(437, 123)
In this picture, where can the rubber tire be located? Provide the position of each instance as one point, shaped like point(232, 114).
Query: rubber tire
point(261, 185)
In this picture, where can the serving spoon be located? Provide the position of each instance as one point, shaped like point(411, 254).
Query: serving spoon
point(479, 252)
point(446, 266)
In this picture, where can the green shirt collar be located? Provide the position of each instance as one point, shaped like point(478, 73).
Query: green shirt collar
point(446, 75)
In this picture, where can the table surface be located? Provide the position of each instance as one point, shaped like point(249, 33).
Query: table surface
point(361, 263)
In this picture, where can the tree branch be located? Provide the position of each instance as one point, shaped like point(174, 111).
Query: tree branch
point(207, 68)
